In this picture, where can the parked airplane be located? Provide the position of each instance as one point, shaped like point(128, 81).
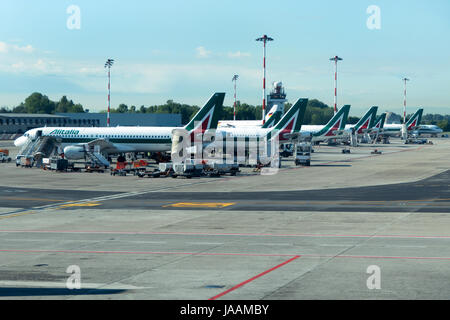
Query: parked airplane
point(273, 116)
point(364, 124)
point(377, 129)
point(428, 129)
point(379, 124)
point(113, 140)
point(332, 130)
point(289, 123)
point(395, 129)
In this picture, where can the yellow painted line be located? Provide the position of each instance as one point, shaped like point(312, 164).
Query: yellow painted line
point(200, 204)
point(17, 215)
point(85, 204)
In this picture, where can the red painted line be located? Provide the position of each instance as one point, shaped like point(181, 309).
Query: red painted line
point(375, 257)
point(253, 278)
point(315, 235)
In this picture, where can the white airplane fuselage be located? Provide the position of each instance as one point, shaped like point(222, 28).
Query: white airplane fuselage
point(429, 129)
point(124, 139)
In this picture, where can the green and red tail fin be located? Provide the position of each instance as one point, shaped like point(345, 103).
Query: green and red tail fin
point(291, 122)
point(272, 120)
point(379, 122)
point(208, 116)
point(415, 120)
point(367, 121)
point(336, 123)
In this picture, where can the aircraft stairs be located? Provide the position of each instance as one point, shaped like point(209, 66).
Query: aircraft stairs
point(41, 147)
point(95, 157)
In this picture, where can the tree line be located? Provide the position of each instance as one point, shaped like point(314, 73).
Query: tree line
point(441, 121)
point(317, 112)
point(39, 103)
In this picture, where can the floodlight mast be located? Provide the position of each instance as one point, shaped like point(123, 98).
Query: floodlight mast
point(235, 77)
point(335, 59)
point(404, 100)
point(108, 65)
point(264, 39)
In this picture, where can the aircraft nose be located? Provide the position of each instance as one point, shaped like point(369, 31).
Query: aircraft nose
point(20, 141)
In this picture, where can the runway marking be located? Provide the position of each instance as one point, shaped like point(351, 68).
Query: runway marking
point(49, 284)
point(101, 198)
point(17, 214)
point(243, 254)
point(83, 204)
point(319, 235)
point(200, 204)
point(253, 278)
point(206, 243)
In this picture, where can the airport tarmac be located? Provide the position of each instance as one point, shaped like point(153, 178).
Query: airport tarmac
point(299, 233)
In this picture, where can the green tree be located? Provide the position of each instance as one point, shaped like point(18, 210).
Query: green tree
point(64, 105)
point(76, 108)
point(444, 125)
point(20, 108)
point(352, 120)
point(38, 103)
point(123, 108)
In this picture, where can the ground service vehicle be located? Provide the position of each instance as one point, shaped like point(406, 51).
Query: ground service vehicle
point(303, 154)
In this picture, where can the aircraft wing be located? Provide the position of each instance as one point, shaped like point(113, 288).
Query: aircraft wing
point(339, 133)
point(297, 136)
point(105, 145)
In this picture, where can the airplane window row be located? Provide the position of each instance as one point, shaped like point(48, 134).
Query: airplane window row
point(113, 136)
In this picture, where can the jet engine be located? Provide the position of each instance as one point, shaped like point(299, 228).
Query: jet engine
point(74, 152)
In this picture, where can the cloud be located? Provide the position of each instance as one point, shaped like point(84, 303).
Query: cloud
point(202, 52)
point(238, 54)
point(18, 66)
point(6, 48)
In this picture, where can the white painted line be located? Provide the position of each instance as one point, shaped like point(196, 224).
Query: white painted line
point(205, 243)
point(49, 284)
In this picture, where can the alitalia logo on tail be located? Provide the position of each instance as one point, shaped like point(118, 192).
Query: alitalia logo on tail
point(291, 121)
point(336, 123)
point(208, 116)
point(379, 123)
point(366, 122)
point(415, 120)
point(272, 120)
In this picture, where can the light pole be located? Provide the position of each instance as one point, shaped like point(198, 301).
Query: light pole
point(264, 39)
point(404, 100)
point(335, 59)
point(108, 65)
point(235, 77)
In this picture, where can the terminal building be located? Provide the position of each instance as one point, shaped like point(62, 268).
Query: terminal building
point(18, 123)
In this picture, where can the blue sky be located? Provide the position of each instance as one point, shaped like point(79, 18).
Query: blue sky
point(186, 50)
